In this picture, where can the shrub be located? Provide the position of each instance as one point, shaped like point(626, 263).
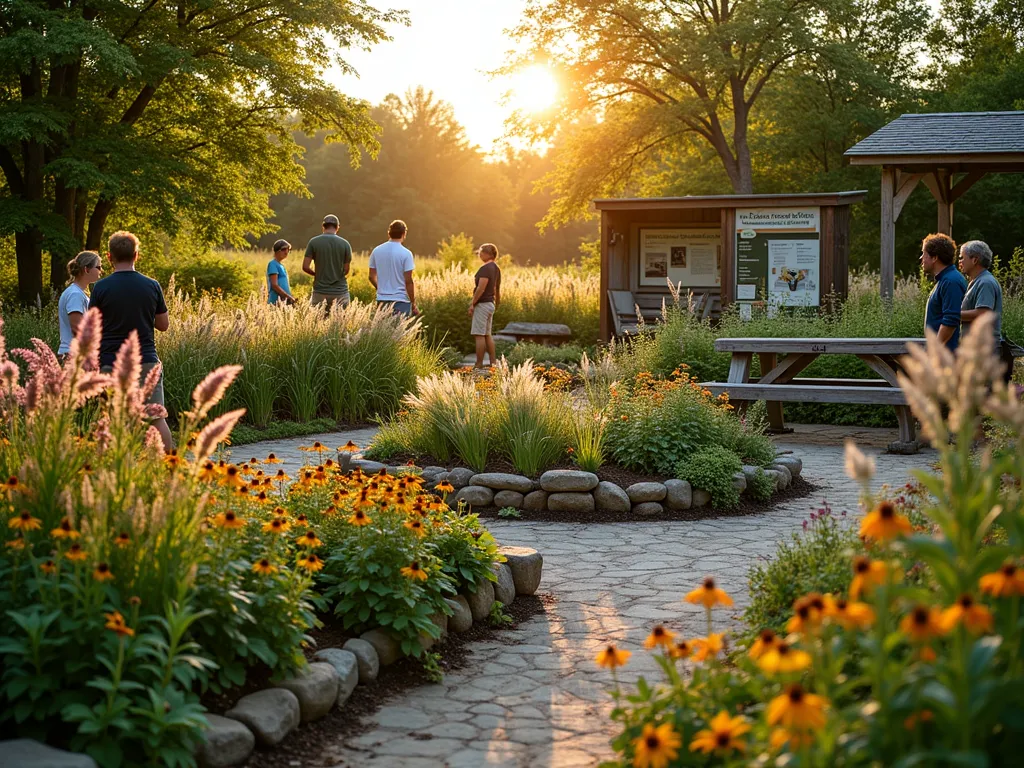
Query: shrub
point(457, 251)
point(524, 351)
point(712, 469)
point(760, 486)
point(206, 274)
point(528, 420)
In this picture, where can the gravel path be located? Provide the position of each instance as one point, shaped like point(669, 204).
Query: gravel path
point(536, 698)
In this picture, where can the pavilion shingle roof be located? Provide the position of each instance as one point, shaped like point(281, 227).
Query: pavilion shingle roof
point(942, 133)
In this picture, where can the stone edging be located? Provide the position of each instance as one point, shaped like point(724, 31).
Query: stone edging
point(572, 490)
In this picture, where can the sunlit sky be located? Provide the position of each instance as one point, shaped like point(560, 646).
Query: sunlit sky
point(449, 48)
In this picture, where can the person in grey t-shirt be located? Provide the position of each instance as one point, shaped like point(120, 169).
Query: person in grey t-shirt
point(983, 292)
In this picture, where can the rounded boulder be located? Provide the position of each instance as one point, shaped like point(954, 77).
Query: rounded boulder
point(503, 481)
point(571, 502)
point(316, 688)
point(609, 497)
point(526, 565)
point(270, 714)
point(508, 499)
point(641, 492)
point(568, 481)
point(475, 496)
point(678, 494)
point(228, 743)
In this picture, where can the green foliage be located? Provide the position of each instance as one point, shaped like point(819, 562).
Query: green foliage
point(457, 251)
point(432, 667)
point(541, 354)
point(711, 469)
point(243, 434)
point(588, 426)
point(760, 486)
point(507, 512)
point(467, 551)
point(497, 616)
point(205, 274)
point(529, 420)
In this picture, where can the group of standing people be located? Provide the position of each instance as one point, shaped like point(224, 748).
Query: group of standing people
point(328, 259)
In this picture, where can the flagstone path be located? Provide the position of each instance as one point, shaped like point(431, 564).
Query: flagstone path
point(534, 697)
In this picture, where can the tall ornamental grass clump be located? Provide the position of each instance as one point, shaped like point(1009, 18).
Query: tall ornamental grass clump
point(117, 568)
point(299, 362)
point(916, 661)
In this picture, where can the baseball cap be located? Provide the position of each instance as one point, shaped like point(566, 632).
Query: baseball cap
point(331, 220)
point(280, 245)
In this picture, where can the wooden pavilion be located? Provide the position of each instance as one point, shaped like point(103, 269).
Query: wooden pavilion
point(949, 152)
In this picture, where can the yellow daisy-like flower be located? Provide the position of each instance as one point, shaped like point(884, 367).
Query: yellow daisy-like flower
point(721, 736)
point(48, 567)
point(64, 530)
point(233, 477)
point(229, 520)
point(271, 459)
point(922, 624)
point(707, 647)
point(849, 615)
point(611, 657)
point(359, 518)
point(115, 623)
point(764, 643)
point(781, 737)
point(884, 523)
point(277, 525)
point(264, 567)
point(302, 521)
point(796, 708)
point(681, 649)
point(973, 615)
point(208, 472)
point(656, 746)
point(709, 595)
point(783, 658)
point(25, 522)
point(75, 553)
point(416, 526)
point(18, 542)
point(122, 540)
point(808, 613)
point(309, 540)
point(102, 572)
point(659, 637)
point(13, 486)
point(349, 447)
point(414, 571)
point(444, 487)
point(1008, 581)
point(262, 498)
point(867, 574)
point(311, 562)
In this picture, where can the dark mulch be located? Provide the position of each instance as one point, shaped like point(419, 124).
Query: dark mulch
point(304, 746)
point(798, 489)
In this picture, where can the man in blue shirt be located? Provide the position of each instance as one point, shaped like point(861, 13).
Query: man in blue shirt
point(277, 275)
point(943, 311)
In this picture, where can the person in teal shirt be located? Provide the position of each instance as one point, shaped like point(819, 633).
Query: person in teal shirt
point(277, 276)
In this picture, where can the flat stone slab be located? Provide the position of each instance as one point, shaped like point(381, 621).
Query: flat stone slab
point(271, 714)
point(568, 480)
point(228, 743)
point(518, 329)
point(28, 753)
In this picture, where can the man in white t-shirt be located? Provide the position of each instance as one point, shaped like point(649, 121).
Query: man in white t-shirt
point(391, 268)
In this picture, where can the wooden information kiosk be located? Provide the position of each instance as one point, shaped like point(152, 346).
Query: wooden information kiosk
point(789, 250)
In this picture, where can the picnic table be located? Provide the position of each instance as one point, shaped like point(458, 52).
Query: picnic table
point(778, 382)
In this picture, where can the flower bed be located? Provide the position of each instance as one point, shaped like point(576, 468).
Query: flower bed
point(134, 581)
point(683, 447)
point(914, 658)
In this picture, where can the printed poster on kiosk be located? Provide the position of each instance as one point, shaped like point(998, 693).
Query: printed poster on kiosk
point(778, 257)
point(692, 257)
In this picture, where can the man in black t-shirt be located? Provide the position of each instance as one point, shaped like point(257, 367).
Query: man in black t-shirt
point(486, 298)
point(130, 302)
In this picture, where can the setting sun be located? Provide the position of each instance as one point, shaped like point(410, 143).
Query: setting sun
point(533, 89)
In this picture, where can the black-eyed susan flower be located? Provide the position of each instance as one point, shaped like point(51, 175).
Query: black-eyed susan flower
point(656, 746)
point(116, 623)
point(281, 476)
point(316, 447)
point(12, 486)
point(349, 447)
point(102, 572)
point(309, 540)
point(414, 571)
point(264, 567)
point(444, 487)
point(922, 624)
point(782, 658)
point(808, 613)
point(330, 511)
point(277, 525)
point(867, 574)
point(659, 637)
point(783, 737)
point(884, 523)
point(271, 459)
point(311, 562)
point(681, 649)
point(359, 518)
point(976, 617)
point(721, 735)
point(796, 708)
point(232, 477)
point(709, 595)
point(229, 520)
point(172, 459)
point(48, 567)
point(254, 462)
point(301, 521)
point(24, 521)
point(849, 614)
point(65, 530)
point(262, 498)
point(707, 647)
point(766, 640)
point(208, 471)
point(17, 543)
point(1008, 581)
point(611, 657)
point(75, 553)
point(416, 526)
point(122, 540)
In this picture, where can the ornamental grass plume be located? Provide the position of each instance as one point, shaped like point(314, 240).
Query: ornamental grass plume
point(211, 390)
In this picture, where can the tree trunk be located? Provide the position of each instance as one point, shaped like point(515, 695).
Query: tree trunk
point(744, 184)
point(28, 250)
point(97, 223)
point(62, 250)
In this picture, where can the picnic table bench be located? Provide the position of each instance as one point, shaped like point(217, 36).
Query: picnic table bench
point(778, 382)
point(542, 333)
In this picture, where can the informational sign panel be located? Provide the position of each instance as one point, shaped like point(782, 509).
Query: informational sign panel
point(692, 257)
point(778, 256)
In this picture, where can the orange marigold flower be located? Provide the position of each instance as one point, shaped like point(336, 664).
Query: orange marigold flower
point(707, 647)
point(1008, 581)
point(611, 657)
point(973, 615)
point(796, 708)
point(884, 523)
point(24, 521)
point(65, 530)
point(721, 736)
point(922, 624)
point(657, 746)
point(102, 572)
point(659, 637)
point(709, 595)
point(867, 574)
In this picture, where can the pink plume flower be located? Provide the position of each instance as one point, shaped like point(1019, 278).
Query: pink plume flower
point(90, 385)
point(211, 389)
point(85, 347)
point(152, 379)
point(101, 433)
point(215, 432)
point(153, 441)
point(128, 365)
point(155, 411)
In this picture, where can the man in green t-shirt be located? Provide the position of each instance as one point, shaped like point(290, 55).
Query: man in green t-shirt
point(332, 256)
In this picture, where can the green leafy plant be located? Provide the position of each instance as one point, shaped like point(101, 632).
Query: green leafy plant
point(528, 418)
point(457, 251)
point(510, 512)
point(711, 469)
point(497, 617)
point(588, 431)
point(760, 486)
point(432, 667)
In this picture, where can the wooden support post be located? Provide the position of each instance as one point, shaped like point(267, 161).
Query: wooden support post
point(939, 182)
point(888, 270)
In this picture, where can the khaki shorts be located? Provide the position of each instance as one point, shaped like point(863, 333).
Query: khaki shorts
point(157, 395)
point(483, 315)
point(322, 298)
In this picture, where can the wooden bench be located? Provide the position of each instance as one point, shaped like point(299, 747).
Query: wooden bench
point(627, 308)
point(541, 333)
point(779, 383)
